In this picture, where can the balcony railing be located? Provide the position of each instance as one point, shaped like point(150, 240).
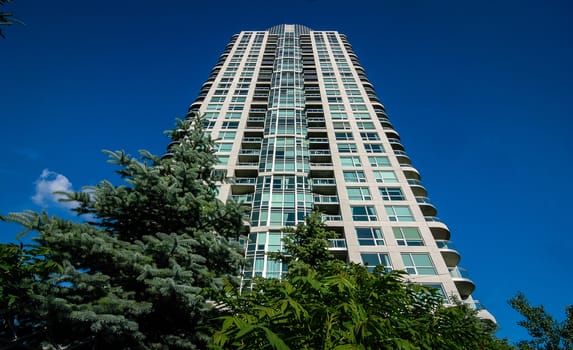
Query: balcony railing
point(445, 244)
point(319, 152)
point(331, 217)
point(337, 243)
point(245, 180)
point(324, 181)
point(459, 272)
point(325, 199)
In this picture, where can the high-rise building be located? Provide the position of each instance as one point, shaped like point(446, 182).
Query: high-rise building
point(298, 127)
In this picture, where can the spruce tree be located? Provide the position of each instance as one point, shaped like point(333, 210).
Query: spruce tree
point(142, 271)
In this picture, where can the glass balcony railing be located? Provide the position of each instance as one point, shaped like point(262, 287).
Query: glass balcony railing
point(325, 199)
point(319, 152)
point(459, 272)
point(331, 217)
point(445, 244)
point(337, 243)
point(245, 180)
point(432, 219)
point(324, 181)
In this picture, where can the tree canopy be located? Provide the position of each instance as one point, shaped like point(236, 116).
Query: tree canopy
point(142, 270)
point(326, 303)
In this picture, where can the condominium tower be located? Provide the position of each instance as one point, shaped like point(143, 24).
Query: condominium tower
point(299, 127)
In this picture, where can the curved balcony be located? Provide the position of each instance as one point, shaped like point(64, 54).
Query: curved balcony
point(439, 230)
point(385, 121)
point(417, 187)
point(462, 281)
point(449, 252)
point(403, 157)
point(396, 144)
point(428, 209)
point(392, 134)
point(410, 172)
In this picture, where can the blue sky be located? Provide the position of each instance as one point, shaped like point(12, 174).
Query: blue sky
point(480, 92)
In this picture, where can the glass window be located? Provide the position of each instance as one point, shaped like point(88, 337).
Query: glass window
point(369, 236)
point(385, 176)
point(391, 193)
point(371, 260)
point(347, 148)
point(227, 135)
point(374, 148)
point(350, 161)
point(341, 125)
point(418, 264)
point(409, 236)
point(371, 136)
point(224, 147)
point(359, 193)
point(223, 160)
point(379, 161)
point(365, 125)
point(354, 176)
point(344, 136)
point(363, 213)
point(400, 213)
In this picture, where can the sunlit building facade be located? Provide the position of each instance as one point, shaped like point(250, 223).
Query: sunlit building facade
point(299, 126)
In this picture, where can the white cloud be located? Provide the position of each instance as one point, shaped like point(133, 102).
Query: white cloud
point(48, 183)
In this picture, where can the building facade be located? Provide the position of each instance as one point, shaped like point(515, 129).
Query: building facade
point(299, 127)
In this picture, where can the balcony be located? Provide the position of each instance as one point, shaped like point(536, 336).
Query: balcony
point(248, 165)
point(462, 281)
point(251, 142)
point(396, 144)
point(320, 156)
point(324, 186)
point(318, 142)
point(428, 209)
point(449, 252)
point(392, 134)
point(249, 155)
point(417, 188)
point(403, 157)
point(331, 217)
point(338, 248)
point(315, 112)
point(316, 122)
point(386, 124)
point(255, 122)
point(410, 172)
point(246, 199)
point(439, 230)
point(481, 310)
point(327, 204)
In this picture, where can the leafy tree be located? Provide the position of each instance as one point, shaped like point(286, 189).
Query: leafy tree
point(23, 268)
point(6, 18)
point(325, 303)
point(547, 333)
point(142, 272)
